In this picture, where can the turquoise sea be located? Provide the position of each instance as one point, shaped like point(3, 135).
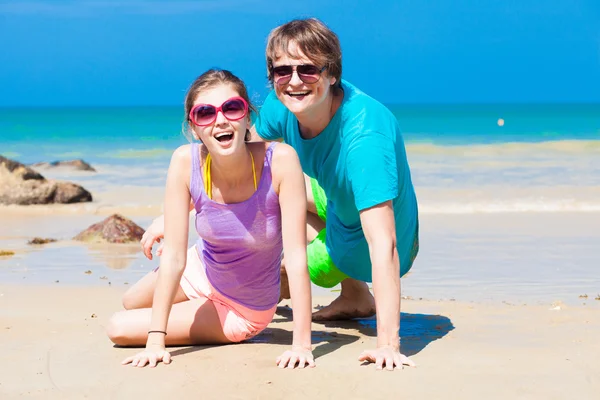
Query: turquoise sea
point(509, 196)
point(464, 158)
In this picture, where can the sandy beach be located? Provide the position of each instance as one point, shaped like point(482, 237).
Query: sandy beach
point(495, 106)
point(498, 306)
point(54, 347)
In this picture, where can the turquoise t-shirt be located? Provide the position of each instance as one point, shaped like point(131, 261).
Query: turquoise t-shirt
point(360, 161)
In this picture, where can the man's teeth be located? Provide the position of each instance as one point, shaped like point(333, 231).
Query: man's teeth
point(299, 93)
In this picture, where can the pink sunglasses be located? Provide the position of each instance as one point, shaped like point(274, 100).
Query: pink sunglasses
point(233, 109)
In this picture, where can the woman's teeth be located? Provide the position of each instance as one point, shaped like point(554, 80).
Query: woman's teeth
point(224, 137)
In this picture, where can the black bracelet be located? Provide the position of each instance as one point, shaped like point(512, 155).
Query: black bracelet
point(165, 333)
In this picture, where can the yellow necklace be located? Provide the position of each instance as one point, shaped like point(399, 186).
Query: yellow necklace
point(208, 180)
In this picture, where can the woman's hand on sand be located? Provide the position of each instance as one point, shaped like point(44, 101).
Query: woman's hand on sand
point(153, 234)
point(296, 356)
point(387, 357)
point(150, 356)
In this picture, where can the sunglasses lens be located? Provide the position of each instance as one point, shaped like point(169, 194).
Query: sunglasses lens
point(204, 114)
point(234, 109)
point(282, 73)
point(308, 73)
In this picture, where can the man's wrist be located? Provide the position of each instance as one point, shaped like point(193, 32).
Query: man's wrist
point(392, 343)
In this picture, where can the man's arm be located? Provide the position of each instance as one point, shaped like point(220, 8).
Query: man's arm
point(380, 231)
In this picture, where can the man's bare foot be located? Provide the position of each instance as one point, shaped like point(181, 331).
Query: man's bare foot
point(355, 301)
point(344, 308)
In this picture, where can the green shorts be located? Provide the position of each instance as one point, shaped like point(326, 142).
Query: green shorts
point(321, 269)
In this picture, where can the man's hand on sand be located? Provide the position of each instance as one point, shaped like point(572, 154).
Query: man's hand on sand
point(150, 357)
point(153, 234)
point(387, 357)
point(296, 356)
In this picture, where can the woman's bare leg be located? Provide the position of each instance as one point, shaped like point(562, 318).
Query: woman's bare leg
point(191, 322)
point(141, 294)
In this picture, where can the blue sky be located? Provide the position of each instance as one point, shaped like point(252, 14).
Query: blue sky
point(133, 52)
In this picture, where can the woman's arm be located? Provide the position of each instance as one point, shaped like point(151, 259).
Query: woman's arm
point(173, 260)
point(380, 231)
point(172, 263)
point(289, 179)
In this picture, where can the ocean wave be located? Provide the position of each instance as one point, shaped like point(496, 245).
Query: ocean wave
point(565, 147)
point(515, 206)
point(11, 154)
point(69, 155)
point(138, 153)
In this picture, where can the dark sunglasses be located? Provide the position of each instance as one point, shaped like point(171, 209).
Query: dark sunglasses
point(233, 109)
point(306, 72)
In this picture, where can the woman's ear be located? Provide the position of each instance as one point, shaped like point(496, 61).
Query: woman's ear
point(194, 134)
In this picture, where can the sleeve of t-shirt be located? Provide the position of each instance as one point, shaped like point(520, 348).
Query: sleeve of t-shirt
point(271, 119)
point(372, 169)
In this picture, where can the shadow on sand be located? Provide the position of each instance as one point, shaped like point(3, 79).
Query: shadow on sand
point(416, 330)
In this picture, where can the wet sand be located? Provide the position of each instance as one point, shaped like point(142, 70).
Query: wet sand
point(520, 258)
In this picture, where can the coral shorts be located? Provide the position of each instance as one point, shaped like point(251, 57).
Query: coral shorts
point(238, 322)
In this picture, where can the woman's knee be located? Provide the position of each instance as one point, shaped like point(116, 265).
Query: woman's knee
point(131, 300)
point(116, 329)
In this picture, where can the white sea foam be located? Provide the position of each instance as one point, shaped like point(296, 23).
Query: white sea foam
point(566, 147)
point(515, 206)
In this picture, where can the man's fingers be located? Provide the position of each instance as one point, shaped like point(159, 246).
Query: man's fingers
point(389, 363)
point(301, 362)
point(408, 361)
point(148, 248)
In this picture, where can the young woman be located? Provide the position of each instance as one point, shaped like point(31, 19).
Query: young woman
point(363, 209)
point(250, 204)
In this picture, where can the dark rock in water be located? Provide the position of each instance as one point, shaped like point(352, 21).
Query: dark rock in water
point(114, 229)
point(21, 185)
point(78, 165)
point(38, 240)
point(5, 253)
point(19, 170)
point(67, 192)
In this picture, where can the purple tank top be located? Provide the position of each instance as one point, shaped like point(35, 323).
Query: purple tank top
point(240, 244)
